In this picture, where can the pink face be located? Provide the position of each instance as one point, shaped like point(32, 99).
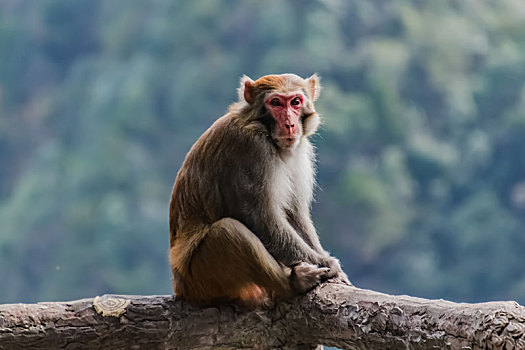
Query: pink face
point(286, 110)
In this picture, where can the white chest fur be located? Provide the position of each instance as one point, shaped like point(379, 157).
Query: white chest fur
point(293, 178)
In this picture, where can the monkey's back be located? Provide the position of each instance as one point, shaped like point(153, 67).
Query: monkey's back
point(215, 180)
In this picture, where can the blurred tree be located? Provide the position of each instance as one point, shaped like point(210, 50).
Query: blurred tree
point(420, 157)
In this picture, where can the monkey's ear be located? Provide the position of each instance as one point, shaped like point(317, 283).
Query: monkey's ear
point(246, 89)
point(314, 85)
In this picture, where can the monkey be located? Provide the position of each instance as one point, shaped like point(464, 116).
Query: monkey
point(239, 217)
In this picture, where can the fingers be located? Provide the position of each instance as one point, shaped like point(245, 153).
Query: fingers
point(305, 276)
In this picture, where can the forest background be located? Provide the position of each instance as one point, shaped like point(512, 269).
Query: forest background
point(421, 172)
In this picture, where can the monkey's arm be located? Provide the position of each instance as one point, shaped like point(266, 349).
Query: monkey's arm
point(303, 224)
point(283, 241)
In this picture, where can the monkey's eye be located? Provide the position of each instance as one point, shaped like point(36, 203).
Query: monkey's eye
point(296, 101)
point(275, 102)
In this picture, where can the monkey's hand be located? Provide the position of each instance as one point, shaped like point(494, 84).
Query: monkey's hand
point(336, 271)
point(305, 276)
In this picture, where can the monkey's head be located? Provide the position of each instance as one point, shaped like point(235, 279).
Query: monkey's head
point(284, 104)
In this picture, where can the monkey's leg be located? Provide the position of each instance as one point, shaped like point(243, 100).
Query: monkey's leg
point(231, 263)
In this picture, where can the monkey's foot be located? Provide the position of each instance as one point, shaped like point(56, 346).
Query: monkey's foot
point(336, 273)
point(340, 280)
point(306, 276)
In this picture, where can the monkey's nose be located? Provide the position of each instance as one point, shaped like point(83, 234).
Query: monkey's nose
point(289, 126)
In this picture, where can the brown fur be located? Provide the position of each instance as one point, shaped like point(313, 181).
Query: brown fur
point(240, 226)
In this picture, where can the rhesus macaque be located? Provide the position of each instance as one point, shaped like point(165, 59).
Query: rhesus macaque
point(240, 226)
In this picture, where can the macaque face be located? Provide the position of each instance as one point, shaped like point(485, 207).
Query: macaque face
point(289, 113)
point(286, 109)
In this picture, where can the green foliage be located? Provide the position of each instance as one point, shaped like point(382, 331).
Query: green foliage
point(421, 155)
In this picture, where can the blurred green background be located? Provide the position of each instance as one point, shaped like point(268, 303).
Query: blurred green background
point(421, 157)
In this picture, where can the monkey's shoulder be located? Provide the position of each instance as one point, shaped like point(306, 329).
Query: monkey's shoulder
point(228, 141)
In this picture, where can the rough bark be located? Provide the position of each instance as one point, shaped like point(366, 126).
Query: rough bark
point(333, 314)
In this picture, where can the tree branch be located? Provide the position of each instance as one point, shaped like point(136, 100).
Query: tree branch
point(332, 314)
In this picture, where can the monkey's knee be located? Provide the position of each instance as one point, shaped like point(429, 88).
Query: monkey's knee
point(232, 263)
point(238, 249)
